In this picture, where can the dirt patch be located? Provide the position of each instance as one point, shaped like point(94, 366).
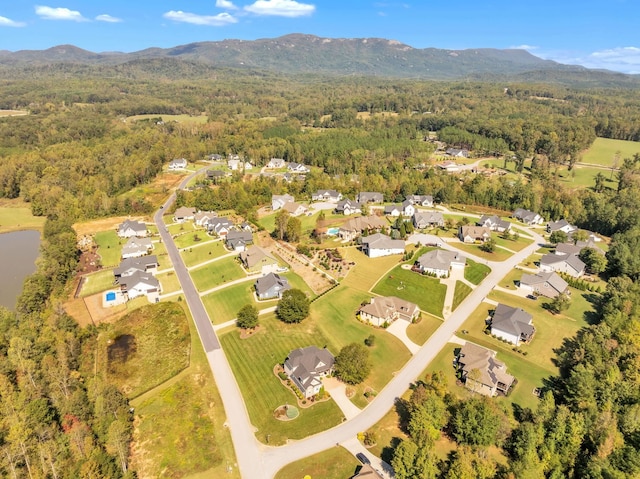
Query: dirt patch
point(103, 224)
point(99, 314)
point(247, 333)
point(89, 262)
point(120, 350)
point(77, 309)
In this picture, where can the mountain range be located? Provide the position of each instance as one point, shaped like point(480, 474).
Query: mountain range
point(308, 54)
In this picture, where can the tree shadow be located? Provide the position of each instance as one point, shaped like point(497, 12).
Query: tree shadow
point(387, 452)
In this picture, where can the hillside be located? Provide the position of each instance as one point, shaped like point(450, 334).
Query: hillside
point(308, 54)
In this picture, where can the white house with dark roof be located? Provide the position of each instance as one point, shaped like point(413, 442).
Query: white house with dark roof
point(457, 152)
point(238, 240)
point(421, 200)
point(378, 245)
point(220, 226)
point(332, 196)
point(439, 262)
point(562, 263)
point(348, 207)
point(494, 223)
point(369, 197)
point(482, 372)
point(298, 168)
point(408, 209)
point(385, 310)
point(527, 217)
point(202, 218)
point(146, 264)
point(140, 284)
point(561, 225)
point(427, 219)
point(393, 210)
point(178, 164)
point(271, 286)
point(131, 228)
point(184, 213)
point(136, 247)
point(276, 163)
point(278, 201)
point(548, 284)
point(514, 325)
point(307, 366)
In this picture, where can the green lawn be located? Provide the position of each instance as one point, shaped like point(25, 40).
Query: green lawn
point(200, 254)
point(367, 270)
point(14, 218)
point(334, 463)
point(420, 332)
point(96, 282)
point(428, 293)
point(475, 272)
point(169, 282)
point(179, 229)
point(192, 238)
point(498, 254)
point(224, 305)
point(109, 247)
point(584, 176)
point(460, 293)
point(262, 390)
point(217, 273)
point(513, 277)
point(603, 152)
point(513, 244)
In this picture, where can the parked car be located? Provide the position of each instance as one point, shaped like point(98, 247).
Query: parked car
point(531, 296)
point(363, 459)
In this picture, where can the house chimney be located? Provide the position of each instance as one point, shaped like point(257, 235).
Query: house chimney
point(373, 300)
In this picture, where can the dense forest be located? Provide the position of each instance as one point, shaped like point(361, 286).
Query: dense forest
point(76, 155)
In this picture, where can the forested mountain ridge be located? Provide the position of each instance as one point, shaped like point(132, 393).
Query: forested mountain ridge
point(308, 54)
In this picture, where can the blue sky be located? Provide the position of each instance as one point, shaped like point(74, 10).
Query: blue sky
point(593, 33)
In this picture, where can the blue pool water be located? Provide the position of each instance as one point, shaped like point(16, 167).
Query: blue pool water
point(111, 296)
point(333, 231)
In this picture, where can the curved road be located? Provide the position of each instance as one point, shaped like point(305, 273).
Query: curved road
point(256, 460)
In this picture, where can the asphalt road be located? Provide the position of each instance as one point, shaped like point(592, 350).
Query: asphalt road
point(256, 460)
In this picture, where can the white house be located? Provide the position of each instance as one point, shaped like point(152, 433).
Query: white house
point(378, 245)
point(439, 262)
point(393, 210)
point(332, 196)
point(276, 163)
point(136, 247)
point(385, 310)
point(512, 324)
point(184, 213)
point(298, 168)
point(425, 219)
point(178, 164)
point(408, 209)
point(528, 217)
point(546, 284)
point(348, 207)
point(307, 366)
point(278, 201)
point(421, 200)
point(562, 263)
point(130, 228)
point(561, 225)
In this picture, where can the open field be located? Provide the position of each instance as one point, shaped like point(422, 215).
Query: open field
point(104, 224)
point(498, 254)
point(367, 270)
point(200, 119)
point(4, 113)
point(513, 244)
point(169, 282)
point(200, 254)
point(584, 177)
point(475, 272)
point(196, 446)
point(215, 274)
point(15, 215)
point(223, 305)
point(195, 238)
point(109, 247)
point(262, 390)
point(145, 348)
point(420, 332)
point(460, 293)
point(334, 463)
point(603, 151)
point(428, 293)
point(97, 282)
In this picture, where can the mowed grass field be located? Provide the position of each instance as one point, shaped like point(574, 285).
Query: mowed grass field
point(109, 247)
point(428, 293)
point(217, 273)
point(16, 216)
point(604, 150)
point(475, 272)
point(201, 253)
point(97, 282)
point(334, 463)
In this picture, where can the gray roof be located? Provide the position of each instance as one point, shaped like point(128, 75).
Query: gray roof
point(244, 236)
point(370, 197)
point(386, 307)
point(420, 199)
point(557, 225)
point(327, 193)
point(440, 259)
point(138, 277)
point(484, 360)
point(572, 260)
point(512, 320)
point(136, 226)
point(308, 363)
point(135, 244)
point(142, 264)
point(271, 281)
point(390, 208)
point(548, 284)
point(430, 217)
point(380, 241)
point(348, 204)
point(524, 215)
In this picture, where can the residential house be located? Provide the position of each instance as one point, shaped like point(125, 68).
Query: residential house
point(354, 227)
point(393, 210)
point(408, 209)
point(332, 196)
point(439, 262)
point(278, 201)
point(562, 263)
point(219, 226)
point(427, 219)
point(369, 197)
point(378, 245)
point(214, 157)
point(571, 248)
point(256, 260)
point(234, 164)
point(298, 168)
point(457, 152)
point(276, 163)
point(473, 234)
point(561, 225)
point(527, 217)
point(512, 324)
point(184, 213)
point(146, 264)
point(131, 228)
point(448, 166)
point(139, 284)
point(548, 284)
point(494, 223)
point(136, 247)
point(348, 207)
point(247, 166)
point(202, 218)
point(307, 366)
point(215, 174)
point(246, 226)
point(178, 164)
point(385, 310)
point(482, 372)
point(295, 209)
point(367, 472)
point(238, 240)
point(421, 200)
point(271, 286)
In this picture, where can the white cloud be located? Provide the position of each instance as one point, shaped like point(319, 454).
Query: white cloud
point(51, 13)
point(108, 18)
point(620, 59)
point(226, 4)
point(524, 47)
point(280, 8)
point(7, 22)
point(211, 20)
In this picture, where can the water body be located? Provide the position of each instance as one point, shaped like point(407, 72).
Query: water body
point(18, 253)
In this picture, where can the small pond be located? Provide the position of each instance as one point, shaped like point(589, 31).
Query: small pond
point(18, 253)
point(121, 349)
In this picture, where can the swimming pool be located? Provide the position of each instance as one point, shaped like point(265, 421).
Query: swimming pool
point(110, 296)
point(333, 231)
